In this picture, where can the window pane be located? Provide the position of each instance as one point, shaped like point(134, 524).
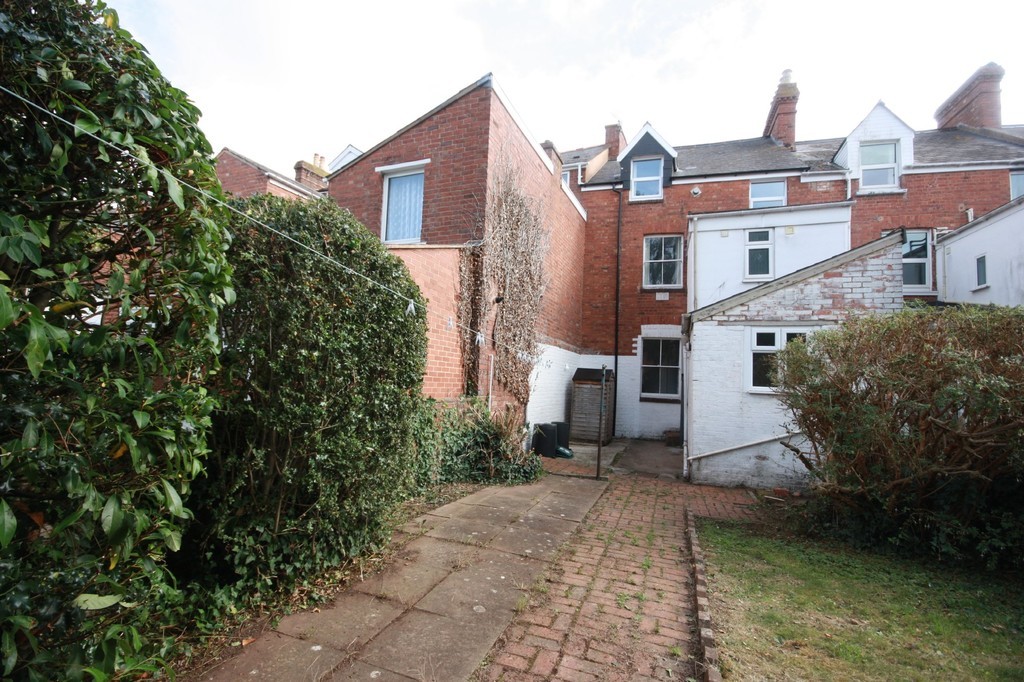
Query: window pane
point(670, 353)
point(671, 248)
point(916, 246)
point(654, 248)
point(764, 339)
point(982, 275)
point(405, 207)
point(914, 274)
point(762, 369)
point(759, 236)
point(1016, 185)
point(652, 352)
point(647, 168)
point(767, 203)
point(793, 336)
point(876, 177)
point(670, 273)
point(647, 188)
point(655, 274)
point(757, 262)
point(670, 380)
point(649, 380)
point(876, 154)
point(763, 190)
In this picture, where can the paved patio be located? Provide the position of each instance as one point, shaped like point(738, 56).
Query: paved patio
point(569, 578)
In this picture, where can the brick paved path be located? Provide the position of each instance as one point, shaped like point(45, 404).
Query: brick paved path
point(618, 600)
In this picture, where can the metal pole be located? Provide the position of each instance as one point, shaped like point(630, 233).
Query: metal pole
point(600, 421)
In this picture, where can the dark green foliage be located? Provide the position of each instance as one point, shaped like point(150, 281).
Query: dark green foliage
point(320, 382)
point(915, 425)
point(466, 443)
point(111, 276)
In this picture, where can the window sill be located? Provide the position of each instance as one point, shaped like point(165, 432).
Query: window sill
point(759, 390)
point(880, 191)
point(648, 200)
point(664, 287)
point(757, 280)
point(918, 291)
point(654, 399)
point(980, 288)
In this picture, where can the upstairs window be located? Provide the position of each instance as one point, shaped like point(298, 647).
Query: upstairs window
point(402, 213)
point(764, 344)
point(878, 165)
point(758, 264)
point(660, 368)
point(663, 262)
point(645, 179)
point(917, 262)
point(1016, 185)
point(768, 194)
point(566, 174)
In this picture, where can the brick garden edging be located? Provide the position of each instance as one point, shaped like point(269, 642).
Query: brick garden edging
point(707, 649)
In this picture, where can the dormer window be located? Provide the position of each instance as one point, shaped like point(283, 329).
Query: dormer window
point(878, 164)
point(645, 179)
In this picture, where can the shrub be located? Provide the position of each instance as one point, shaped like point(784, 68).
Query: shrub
point(321, 372)
point(110, 281)
point(465, 442)
point(915, 428)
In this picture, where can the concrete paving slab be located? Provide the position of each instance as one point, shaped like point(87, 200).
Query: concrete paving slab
point(565, 505)
point(487, 590)
point(357, 671)
point(416, 569)
point(278, 657)
point(500, 515)
point(422, 524)
point(468, 531)
point(429, 646)
point(350, 622)
point(520, 498)
point(536, 535)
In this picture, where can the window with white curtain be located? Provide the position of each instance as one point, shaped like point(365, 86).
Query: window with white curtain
point(403, 206)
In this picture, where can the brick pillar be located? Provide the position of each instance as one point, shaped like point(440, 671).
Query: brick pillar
point(781, 123)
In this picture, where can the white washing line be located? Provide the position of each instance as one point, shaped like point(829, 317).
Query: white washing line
point(740, 447)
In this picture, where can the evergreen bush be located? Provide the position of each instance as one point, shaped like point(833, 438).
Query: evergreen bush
point(915, 428)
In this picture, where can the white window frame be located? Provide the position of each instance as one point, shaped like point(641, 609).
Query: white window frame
point(772, 201)
point(783, 335)
point(398, 170)
point(894, 165)
point(678, 368)
point(749, 246)
point(1016, 184)
point(980, 272)
point(658, 179)
point(925, 288)
point(679, 251)
point(566, 176)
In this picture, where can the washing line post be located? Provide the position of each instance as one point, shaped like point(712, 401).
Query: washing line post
point(600, 421)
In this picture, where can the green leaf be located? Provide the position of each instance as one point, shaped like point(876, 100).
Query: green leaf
point(174, 190)
point(112, 518)
point(38, 346)
point(172, 499)
point(72, 85)
point(8, 524)
point(94, 602)
point(43, 74)
point(7, 314)
point(173, 540)
point(141, 418)
point(86, 125)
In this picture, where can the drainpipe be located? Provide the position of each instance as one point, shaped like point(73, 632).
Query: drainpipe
point(618, 289)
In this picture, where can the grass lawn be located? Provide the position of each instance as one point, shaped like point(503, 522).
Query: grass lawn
point(790, 608)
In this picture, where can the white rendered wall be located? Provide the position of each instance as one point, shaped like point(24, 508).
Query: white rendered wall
point(1000, 240)
point(551, 385)
point(800, 238)
point(724, 414)
point(635, 418)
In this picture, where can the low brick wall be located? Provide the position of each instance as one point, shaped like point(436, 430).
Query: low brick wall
point(708, 666)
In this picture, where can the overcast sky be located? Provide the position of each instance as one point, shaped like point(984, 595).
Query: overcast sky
point(280, 81)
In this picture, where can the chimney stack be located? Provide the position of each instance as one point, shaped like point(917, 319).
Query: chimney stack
point(976, 103)
point(614, 139)
point(312, 175)
point(781, 123)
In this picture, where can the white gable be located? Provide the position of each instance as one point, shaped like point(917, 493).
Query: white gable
point(881, 125)
point(648, 129)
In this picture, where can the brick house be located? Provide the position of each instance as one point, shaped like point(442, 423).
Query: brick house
point(426, 189)
point(240, 176)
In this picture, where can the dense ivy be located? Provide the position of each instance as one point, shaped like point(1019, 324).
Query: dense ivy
point(111, 277)
point(915, 429)
point(312, 445)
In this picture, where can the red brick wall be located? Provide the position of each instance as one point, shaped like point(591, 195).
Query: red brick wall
point(242, 179)
point(436, 271)
point(454, 182)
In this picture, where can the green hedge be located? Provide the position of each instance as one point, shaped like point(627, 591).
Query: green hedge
point(111, 276)
point(915, 424)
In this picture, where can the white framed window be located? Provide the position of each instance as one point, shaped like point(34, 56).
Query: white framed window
point(878, 165)
point(659, 377)
point(758, 257)
point(645, 179)
point(767, 194)
point(566, 176)
point(402, 211)
point(663, 261)
point(1016, 184)
point(917, 262)
point(765, 342)
point(980, 272)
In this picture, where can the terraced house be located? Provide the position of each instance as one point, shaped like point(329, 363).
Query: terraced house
point(684, 268)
